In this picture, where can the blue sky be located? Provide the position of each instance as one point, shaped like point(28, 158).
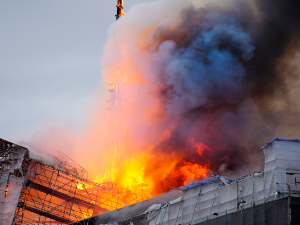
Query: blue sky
point(50, 55)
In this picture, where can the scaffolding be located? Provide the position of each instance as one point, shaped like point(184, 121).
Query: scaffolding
point(41, 188)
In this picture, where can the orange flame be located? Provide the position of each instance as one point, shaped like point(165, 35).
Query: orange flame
point(124, 139)
point(121, 143)
point(192, 172)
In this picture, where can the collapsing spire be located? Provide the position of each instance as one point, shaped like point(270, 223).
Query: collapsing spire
point(119, 9)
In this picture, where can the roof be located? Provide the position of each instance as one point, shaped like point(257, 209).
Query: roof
point(279, 139)
point(209, 180)
point(130, 210)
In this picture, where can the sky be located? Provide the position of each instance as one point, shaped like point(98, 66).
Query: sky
point(50, 55)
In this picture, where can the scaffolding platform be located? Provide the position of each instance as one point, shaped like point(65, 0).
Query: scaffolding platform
point(41, 188)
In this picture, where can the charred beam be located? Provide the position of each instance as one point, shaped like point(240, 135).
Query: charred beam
point(45, 214)
point(65, 197)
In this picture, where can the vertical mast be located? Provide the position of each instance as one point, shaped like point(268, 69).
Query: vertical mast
point(115, 115)
point(119, 9)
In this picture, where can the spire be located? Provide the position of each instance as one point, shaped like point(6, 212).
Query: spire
point(119, 9)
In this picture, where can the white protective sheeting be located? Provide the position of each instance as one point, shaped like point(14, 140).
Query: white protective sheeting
point(211, 200)
point(45, 159)
point(152, 208)
point(175, 201)
point(13, 185)
point(218, 196)
point(281, 156)
point(14, 189)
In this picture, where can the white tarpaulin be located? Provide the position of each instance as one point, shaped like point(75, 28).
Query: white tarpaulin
point(45, 159)
point(152, 208)
point(217, 196)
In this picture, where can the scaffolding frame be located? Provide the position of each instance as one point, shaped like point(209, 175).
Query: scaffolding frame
point(36, 193)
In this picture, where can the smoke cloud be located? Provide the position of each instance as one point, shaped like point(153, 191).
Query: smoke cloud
point(204, 86)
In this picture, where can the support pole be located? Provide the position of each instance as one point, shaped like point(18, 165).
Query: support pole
point(178, 211)
point(164, 214)
point(195, 207)
point(213, 202)
point(158, 215)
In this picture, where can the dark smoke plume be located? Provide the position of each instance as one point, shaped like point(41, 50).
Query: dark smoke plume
point(218, 72)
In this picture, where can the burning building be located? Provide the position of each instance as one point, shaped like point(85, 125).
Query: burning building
point(194, 90)
point(39, 188)
point(270, 196)
point(42, 188)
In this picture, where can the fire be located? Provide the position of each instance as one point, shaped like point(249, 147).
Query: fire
point(80, 186)
point(83, 186)
point(182, 90)
point(192, 172)
point(133, 139)
point(145, 174)
point(132, 173)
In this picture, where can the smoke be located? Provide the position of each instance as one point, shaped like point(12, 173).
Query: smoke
point(204, 86)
